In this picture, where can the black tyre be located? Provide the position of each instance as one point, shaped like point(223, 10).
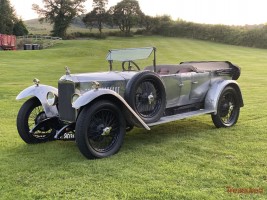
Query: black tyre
point(30, 114)
point(145, 93)
point(100, 130)
point(228, 109)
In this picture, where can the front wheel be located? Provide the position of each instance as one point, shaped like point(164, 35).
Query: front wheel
point(228, 109)
point(30, 114)
point(100, 130)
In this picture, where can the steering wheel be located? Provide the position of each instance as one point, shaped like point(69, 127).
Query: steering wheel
point(130, 67)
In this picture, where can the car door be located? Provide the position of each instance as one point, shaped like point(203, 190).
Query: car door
point(200, 85)
point(185, 82)
point(178, 89)
point(173, 89)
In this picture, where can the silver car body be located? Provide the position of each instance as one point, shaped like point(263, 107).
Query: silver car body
point(40, 91)
point(186, 84)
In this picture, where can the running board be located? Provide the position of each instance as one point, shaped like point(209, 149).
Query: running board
point(171, 118)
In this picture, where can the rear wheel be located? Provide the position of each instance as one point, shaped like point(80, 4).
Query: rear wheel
point(30, 114)
point(228, 109)
point(100, 130)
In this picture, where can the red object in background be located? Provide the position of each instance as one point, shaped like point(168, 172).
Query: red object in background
point(7, 42)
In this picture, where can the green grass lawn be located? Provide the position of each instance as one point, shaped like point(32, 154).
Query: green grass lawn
point(187, 159)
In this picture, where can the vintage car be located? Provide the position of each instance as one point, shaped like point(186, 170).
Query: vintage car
point(96, 109)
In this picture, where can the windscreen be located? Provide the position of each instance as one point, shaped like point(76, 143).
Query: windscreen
point(129, 54)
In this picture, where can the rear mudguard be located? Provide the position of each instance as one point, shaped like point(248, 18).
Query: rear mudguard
point(40, 92)
point(91, 95)
point(214, 93)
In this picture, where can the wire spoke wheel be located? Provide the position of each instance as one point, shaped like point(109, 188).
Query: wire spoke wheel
point(147, 99)
point(100, 129)
point(37, 116)
point(30, 114)
point(228, 109)
point(103, 130)
point(145, 93)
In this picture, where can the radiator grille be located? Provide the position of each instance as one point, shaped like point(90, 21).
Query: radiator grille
point(65, 92)
point(115, 89)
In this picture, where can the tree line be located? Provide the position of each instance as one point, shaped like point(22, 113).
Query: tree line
point(125, 16)
point(250, 36)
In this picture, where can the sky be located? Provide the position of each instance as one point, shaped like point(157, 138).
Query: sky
point(229, 12)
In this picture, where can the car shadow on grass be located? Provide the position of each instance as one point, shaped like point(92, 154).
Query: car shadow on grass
point(58, 152)
point(179, 130)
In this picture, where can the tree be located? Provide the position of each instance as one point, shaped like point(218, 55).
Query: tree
point(97, 16)
point(7, 17)
point(149, 22)
point(126, 14)
point(19, 28)
point(60, 13)
point(162, 24)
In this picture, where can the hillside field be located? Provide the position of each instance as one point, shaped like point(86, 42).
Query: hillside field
point(186, 159)
point(37, 28)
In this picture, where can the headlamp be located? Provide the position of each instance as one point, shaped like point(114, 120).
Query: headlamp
point(51, 99)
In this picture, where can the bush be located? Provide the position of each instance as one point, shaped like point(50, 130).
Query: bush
point(76, 35)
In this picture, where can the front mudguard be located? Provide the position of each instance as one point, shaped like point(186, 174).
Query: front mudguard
point(40, 92)
point(214, 93)
point(92, 95)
